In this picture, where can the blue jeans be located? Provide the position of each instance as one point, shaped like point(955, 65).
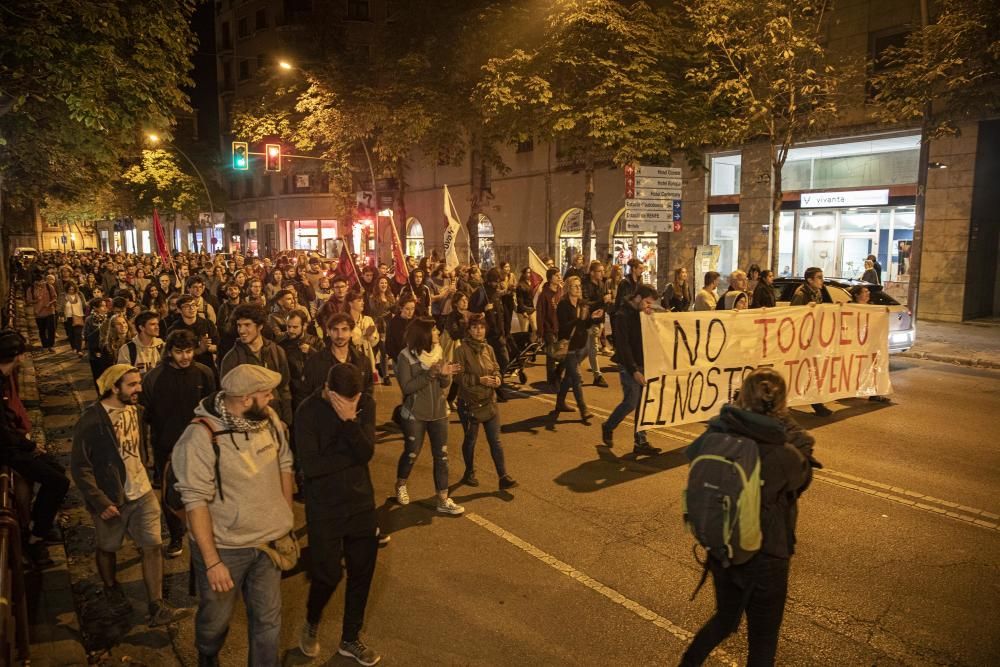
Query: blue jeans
point(571, 378)
point(259, 580)
point(471, 427)
point(437, 431)
point(632, 393)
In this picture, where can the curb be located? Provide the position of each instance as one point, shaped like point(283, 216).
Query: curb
point(972, 362)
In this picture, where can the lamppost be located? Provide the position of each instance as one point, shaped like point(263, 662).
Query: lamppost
point(156, 139)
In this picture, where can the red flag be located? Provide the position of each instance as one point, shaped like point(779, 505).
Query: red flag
point(399, 270)
point(161, 241)
point(346, 268)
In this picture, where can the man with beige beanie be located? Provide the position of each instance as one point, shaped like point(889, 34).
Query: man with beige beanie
point(234, 475)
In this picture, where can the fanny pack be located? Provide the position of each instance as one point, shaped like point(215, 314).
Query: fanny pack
point(284, 552)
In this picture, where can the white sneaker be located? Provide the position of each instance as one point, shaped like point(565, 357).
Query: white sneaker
point(402, 495)
point(448, 506)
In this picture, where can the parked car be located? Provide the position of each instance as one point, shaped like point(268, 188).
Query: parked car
point(902, 333)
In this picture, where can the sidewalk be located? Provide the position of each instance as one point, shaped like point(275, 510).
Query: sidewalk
point(54, 628)
point(967, 344)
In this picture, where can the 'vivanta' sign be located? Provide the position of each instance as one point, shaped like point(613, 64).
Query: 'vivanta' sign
point(694, 362)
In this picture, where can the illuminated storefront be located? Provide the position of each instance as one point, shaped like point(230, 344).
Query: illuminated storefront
point(569, 233)
point(626, 245)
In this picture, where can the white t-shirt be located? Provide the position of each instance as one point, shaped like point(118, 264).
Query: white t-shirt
point(126, 423)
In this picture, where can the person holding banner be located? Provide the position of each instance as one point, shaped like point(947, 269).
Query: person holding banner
point(809, 292)
point(629, 357)
point(707, 298)
point(575, 319)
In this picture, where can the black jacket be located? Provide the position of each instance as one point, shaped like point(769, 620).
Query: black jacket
point(763, 296)
point(199, 328)
point(319, 367)
point(95, 464)
point(334, 455)
point(395, 336)
point(628, 339)
point(298, 362)
point(170, 395)
point(574, 322)
point(785, 450)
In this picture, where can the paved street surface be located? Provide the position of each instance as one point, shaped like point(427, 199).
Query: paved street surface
point(588, 563)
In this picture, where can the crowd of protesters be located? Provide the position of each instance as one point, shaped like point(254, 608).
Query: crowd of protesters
point(230, 385)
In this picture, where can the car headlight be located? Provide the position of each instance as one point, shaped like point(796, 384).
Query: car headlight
point(901, 337)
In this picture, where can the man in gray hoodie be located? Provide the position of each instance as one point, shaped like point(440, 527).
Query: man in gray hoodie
point(234, 475)
point(145, 350)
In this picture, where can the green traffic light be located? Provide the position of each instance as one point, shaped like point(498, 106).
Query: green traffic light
point(241, 162)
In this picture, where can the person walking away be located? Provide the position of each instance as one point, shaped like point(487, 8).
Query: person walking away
point(574, 319)
point(108, 465)
point(335, 440)
point(42, 297)
point(759, 586)
point(478, 383)
point(237, 498)
point(597, 297)
point(763, 293)
point(423, 378)
point(629, 357)
point(252, 348)
point(812, 291)
point(548, 322)
point(170, 393)
point(145, 350)
point(26, 458)
point(525, 298)
point(92, 335)
point(707, 298)
point(677, 297)
point(73, 320)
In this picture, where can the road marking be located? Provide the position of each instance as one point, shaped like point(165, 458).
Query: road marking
point(973, 516)
point(639, 610)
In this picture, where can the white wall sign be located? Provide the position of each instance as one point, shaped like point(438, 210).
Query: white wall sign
point(849, 198)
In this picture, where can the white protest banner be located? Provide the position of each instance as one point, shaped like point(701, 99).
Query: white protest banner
point(694, 362)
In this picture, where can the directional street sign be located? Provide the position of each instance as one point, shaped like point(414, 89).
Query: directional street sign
point(658, 172)
point(660, 215)
point(649, 193)
point(648, 226)
point(669, 183)
point(648, 204)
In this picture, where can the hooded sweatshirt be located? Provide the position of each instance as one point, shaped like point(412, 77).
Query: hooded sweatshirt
point(252, 509)
point(144, 357)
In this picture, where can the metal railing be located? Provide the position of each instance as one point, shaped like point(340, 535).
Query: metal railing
point(13, 600)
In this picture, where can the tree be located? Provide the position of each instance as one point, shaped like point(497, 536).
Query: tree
point(79, 81)
point(158, 181)
point(598, 84)
point(950, 67)
point(764, 74)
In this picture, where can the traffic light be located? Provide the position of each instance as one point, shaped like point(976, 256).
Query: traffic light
point(241, 156)
point(272, 157)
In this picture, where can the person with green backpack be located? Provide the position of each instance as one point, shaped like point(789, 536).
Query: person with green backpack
point(746, 474)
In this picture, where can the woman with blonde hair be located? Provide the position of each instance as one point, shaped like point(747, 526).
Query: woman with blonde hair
point(118, 332)
point(575, 318)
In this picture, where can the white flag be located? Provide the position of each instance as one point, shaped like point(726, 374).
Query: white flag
point(452, 227)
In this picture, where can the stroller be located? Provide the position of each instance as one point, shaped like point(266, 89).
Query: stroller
point(521, 348)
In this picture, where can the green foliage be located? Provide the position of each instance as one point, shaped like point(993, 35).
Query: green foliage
point(158, 181)
point(602, 82)
point(79, 81)
point(953, 63)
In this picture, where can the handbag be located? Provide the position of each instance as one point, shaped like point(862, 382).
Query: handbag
point(77, 321)
point(559, 349)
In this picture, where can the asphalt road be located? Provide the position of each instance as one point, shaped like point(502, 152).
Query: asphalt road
point(588, 563)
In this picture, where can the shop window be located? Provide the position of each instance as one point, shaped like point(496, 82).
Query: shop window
point(640, 245)
point(724, 231)
point(487, 253)
point(570, 235)
point(414, 238)
point(725, 172)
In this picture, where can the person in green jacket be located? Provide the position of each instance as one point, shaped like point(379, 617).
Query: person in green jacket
point(477, 400)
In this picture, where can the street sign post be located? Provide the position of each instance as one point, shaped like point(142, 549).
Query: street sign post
point(652, 199)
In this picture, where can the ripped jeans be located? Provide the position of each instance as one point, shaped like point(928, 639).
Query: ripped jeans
point(413, 430)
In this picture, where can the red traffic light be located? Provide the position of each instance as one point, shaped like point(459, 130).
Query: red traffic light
point(272, 157)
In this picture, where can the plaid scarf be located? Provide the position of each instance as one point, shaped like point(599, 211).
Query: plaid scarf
point(238, 424)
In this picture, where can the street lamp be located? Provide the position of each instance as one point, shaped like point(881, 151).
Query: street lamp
point(285, 65)
point(155, 139)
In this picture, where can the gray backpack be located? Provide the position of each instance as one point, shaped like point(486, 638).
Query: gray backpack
point(721, 503)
